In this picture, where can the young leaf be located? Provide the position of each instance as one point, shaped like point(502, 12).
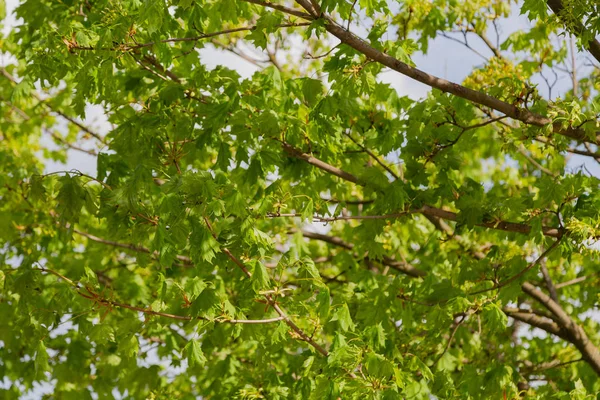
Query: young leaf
point(343, 318)
point(41, 360)
point(194, 354)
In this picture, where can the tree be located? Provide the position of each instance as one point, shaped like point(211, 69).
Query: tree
point(309, 231)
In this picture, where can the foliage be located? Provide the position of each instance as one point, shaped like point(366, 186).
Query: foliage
point(307, 232)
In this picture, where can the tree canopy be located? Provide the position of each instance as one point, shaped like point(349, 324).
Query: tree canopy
point(307, 231)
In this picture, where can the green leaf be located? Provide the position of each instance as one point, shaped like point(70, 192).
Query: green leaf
point(194, 354)
point(343, 318)
point(70, 198)
point(495, 317)
point(377, 366)
point(416, 364)
point(102, 333)
point(307, 211)
point(195, 286)
point(203, 246)
point(37, 190)
point(260, 276)
point(41, 360)
point(308, 269)
point(208, 118)
point(129, 346)
point(323, 304)
point(312, 90)
point(258, 37)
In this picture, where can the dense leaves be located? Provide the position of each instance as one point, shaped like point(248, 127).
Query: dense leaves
point(306, 230)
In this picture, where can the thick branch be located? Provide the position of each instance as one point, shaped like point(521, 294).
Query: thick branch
point(575, 332)
point(474, 96)
point(577, 27)
point(537, 322)
point(558, 323)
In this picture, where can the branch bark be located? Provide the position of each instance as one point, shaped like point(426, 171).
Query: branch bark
point(360, 45)
point(573, 331)
point(426, 210)
point(148, 311)
point(577, 27)
point(399, 266)
point(536, 321)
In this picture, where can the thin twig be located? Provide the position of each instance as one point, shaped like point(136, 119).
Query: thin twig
point(548, 281)
point(522, 272)
point(130, 47)
point(573, 281)
point(456, 326)
point(79, 173)
point(320, 218)
point(270, 300)
point(284, 9)
point(370, 153)
point(140, 249)
point(426, 210)
point(58, 138)
point(532, 160)
point(109, 303)
point(60, 113)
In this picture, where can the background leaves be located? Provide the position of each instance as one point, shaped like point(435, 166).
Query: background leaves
point(306, 230)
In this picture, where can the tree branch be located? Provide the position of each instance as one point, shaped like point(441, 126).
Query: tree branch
point(272, 302)
point(90, 295)
point(320, 218)
point(140, 249)
point(577, 27)
point(474, 96)
point(128, 47)
point(521, 149)
point(575, 332)
point(548, 281)
point(544, 324)
point(452, 333)
point(520, 273)
point(399, 266)
point(425, 210)
point(572, 281)
point(370, 153)
point(281, 8)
